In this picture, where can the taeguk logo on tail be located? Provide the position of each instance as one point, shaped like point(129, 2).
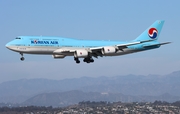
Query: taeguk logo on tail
point(153, 33)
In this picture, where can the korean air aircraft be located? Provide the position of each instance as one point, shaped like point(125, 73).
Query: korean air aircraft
point(60, 47)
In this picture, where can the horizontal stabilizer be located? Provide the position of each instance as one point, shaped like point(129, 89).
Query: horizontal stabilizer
point(149, 46)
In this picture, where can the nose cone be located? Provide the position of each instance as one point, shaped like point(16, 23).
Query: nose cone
point(7, 45)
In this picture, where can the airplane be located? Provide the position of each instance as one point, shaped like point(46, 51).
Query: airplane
point(60, 47)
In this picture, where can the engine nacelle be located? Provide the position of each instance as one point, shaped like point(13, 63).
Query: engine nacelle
point(58, 56)
point(108, 50)
point(81, 53)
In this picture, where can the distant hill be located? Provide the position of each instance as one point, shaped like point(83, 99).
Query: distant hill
point(58, 99)
point(135, 85)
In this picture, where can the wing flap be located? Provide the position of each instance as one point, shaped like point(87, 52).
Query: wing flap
point(63, 51)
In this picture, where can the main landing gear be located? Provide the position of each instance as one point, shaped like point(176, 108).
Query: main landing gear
point(87, 60)
point(77, 60)
point(22, 58)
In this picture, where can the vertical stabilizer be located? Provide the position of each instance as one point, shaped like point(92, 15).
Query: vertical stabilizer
point(152, 32)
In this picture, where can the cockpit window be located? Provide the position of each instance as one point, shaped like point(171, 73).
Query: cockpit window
point(18, 38)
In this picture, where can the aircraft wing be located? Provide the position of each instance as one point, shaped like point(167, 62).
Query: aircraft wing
point(133, 43)
point(97, 50)
point(120, 46)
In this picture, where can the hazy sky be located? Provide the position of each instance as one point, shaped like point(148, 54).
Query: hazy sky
point(88, 19)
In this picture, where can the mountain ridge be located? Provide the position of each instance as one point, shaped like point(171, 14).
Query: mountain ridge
point(151, 85)
point(59, 99)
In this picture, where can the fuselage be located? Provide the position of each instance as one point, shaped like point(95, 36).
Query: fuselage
point(60, 47)
point(47, 45)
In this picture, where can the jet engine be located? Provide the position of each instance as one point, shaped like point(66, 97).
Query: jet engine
point(108, 50)
point(81, 53)
point(58, 56)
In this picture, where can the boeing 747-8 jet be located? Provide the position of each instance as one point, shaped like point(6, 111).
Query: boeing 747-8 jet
point(60, 47)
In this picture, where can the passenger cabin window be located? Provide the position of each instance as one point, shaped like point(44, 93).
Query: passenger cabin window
point(18, 38)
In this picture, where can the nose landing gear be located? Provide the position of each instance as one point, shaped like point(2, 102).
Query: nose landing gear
point(22, 58)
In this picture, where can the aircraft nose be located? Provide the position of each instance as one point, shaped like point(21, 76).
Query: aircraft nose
point(7, 45)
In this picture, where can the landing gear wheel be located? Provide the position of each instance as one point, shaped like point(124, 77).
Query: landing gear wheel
point(22, 58)
point(91, 60)
point(88, 60)
point(77, 62)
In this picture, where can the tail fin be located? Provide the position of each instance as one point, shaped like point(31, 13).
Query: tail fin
point(151, 33)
